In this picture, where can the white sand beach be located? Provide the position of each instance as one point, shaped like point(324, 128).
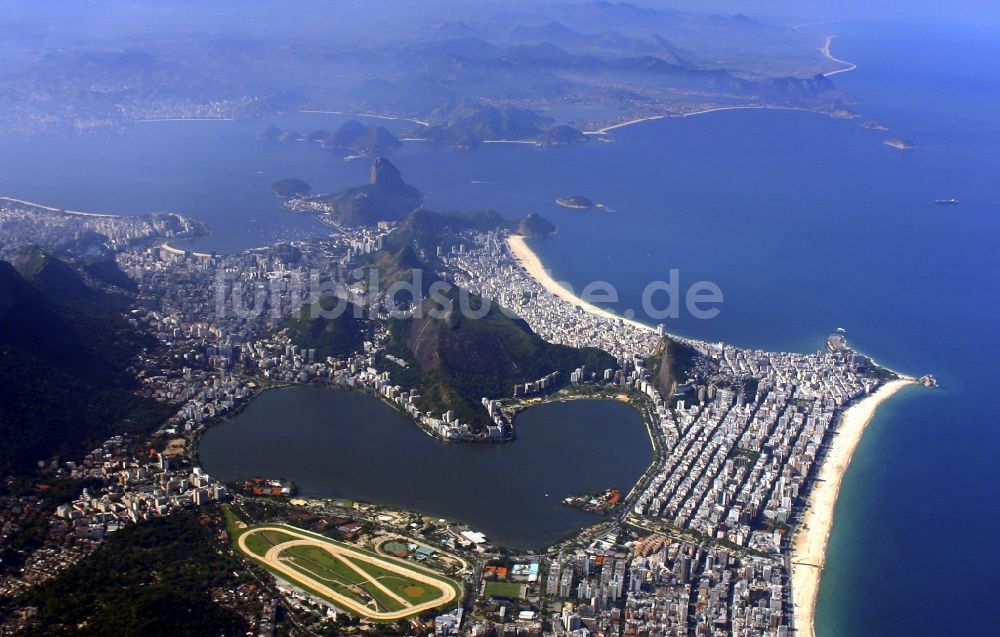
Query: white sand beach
point(812, 533)
point(848, 66)
point(533, 265)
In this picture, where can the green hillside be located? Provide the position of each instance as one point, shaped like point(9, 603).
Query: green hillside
point(457, 360)
point(330, 326)
point(65, 350)
point(153, 578)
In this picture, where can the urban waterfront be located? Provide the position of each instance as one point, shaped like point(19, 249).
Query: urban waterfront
point(851, 239)
point(346, 444)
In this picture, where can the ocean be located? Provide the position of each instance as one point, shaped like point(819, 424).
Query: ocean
point(805, 223)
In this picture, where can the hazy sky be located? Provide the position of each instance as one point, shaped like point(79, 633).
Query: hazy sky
point(229, 15)
point(974, 13)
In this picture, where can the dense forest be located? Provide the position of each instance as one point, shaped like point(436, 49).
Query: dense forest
point(65, 353)
point(153, 578)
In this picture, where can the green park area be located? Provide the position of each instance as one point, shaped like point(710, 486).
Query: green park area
point(347, 576)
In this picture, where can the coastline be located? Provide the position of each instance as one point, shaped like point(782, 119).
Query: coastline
point(603, 131)
point(386, 117)
point(828, 55)
point(172, 250)
point(24, 202)
point(748, 108)
point(715, 109)
point(813, 531)
point(533, 265)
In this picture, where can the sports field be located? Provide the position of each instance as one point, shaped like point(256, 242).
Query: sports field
point(510, 590)
point(351, 578)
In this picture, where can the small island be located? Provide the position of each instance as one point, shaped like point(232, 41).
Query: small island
point(900, 143)
point(291, 187)
point(875, 125)
point(577, 202)
point(600, 503)
point(275, 134)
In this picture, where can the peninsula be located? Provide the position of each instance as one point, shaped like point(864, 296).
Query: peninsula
point(811, 531)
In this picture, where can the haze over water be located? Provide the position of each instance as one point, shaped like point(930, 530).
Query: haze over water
point(806, 223)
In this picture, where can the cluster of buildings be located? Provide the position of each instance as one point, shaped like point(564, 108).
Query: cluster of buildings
point(698, 547)
point(490, 271)
point(742, 458)
point(131, 486)
point(738, 443)
point(53, 228)
point(681, 588)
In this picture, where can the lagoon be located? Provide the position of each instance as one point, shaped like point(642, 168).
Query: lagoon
point(336, 443)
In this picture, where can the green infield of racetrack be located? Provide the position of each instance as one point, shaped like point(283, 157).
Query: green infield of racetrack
point(316, 563)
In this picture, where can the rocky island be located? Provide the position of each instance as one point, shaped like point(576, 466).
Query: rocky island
point(900, 143)
point(875, 125)
point(290, 187)
point(357, 140)
point(577, 202)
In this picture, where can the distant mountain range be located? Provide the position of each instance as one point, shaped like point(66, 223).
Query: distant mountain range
point(414, 61)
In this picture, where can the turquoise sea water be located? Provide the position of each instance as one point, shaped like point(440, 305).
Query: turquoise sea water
point(806, 223)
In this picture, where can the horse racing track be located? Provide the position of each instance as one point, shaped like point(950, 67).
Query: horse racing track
point(349, 577)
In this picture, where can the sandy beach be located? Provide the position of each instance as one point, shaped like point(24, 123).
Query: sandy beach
point(172, 250)
point(63, 211)
point(848, 66)
point(638, 120)
point(812, 533)
point(386, 117)
point(533, 265)
point(746, 108)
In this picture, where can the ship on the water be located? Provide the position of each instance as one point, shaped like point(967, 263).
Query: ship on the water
point(946, 202)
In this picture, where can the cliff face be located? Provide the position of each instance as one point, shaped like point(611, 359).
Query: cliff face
point(385, 175)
